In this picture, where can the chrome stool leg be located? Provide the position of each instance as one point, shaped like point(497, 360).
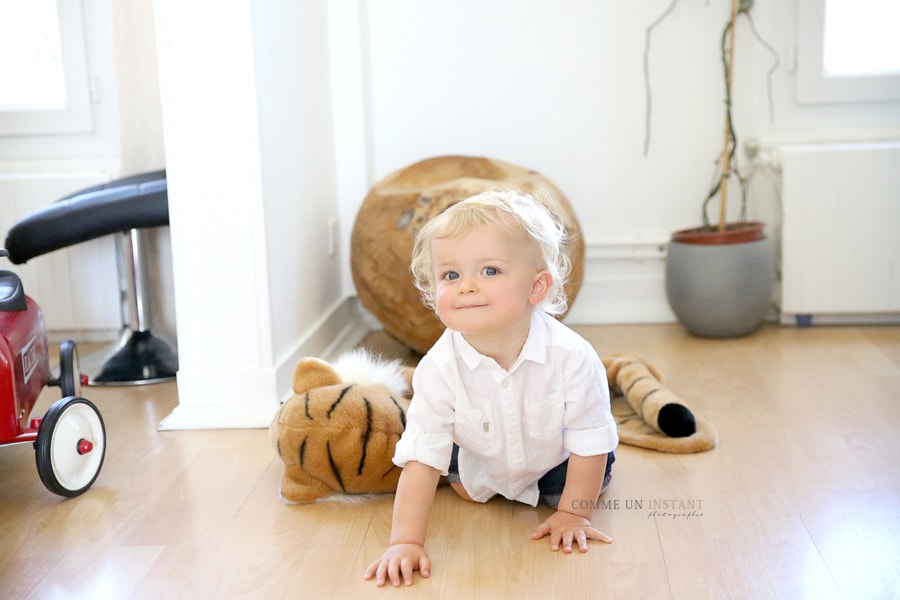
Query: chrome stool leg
point(138, 357)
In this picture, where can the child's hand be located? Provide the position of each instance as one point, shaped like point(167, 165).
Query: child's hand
point(400, 560)
point(568, 528)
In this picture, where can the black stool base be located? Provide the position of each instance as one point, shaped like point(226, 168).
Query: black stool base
point(138, 358)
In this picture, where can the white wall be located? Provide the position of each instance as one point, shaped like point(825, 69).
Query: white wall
point(278, 117)
point(559, 87)
point(251, 190)
point(290, 44)
point(137, 87)
point(555, 86)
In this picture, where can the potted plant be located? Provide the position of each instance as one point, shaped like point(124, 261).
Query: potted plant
point(719, 276)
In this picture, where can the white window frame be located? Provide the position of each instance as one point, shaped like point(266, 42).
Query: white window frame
point(76, 116)
point(813, 85)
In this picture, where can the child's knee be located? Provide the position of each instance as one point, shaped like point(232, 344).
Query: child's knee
point(461, 491)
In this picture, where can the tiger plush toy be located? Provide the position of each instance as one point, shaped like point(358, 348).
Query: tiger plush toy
point(648, 414)
point(338, 431)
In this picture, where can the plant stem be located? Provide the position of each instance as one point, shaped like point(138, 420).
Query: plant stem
point(726, 150)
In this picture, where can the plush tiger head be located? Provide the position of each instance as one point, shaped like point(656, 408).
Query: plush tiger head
point(338, 431)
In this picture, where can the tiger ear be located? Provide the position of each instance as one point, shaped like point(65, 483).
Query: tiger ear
point(312, 373)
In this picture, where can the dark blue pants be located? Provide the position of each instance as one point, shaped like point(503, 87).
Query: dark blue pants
point(550, 485)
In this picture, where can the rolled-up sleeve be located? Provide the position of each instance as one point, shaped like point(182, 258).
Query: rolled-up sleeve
point(589, 426)
point(432, 449)
point(428, 437)
point(591, 442)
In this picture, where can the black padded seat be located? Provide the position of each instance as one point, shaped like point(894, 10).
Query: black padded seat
point(125, 206)
point(129, 203)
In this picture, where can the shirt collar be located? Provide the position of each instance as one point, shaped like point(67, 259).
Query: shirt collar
point(535, 348)
point(466, 351)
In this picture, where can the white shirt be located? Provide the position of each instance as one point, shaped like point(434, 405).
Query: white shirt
point(512, 426)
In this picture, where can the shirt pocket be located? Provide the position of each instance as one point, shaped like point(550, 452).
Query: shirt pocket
point(474, 429)
point(545, 417)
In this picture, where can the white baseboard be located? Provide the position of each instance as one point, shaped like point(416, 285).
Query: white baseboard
point(223, 399)
point(623, 283)
point(86, 336)
point(811, 320)
point(219, 416)
point(257, 393)
point(342, 328)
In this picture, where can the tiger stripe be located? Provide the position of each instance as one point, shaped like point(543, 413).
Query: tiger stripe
point(401, 411)
point(365, 436)
point(339, 399)
point(334, 467)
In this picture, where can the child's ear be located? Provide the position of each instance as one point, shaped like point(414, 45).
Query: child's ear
point(540, 287)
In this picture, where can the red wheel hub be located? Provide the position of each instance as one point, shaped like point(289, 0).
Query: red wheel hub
point(84, 446)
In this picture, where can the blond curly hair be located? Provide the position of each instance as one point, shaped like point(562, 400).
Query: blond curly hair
point(508, 206)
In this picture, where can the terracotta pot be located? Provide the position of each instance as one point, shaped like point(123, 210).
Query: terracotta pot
point(735, 233)
point(719, 284)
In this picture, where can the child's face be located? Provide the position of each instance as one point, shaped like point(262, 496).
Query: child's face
point(487, 280)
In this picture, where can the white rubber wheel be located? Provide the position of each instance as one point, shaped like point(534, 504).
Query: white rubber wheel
point(70, 446)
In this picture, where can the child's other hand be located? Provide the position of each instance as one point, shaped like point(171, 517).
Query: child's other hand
point(567, 528)
point(400, 561)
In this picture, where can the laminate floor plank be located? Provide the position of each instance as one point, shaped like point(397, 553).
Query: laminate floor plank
point(800, 499)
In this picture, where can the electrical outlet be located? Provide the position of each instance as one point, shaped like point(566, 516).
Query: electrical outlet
point(332, 236)
point(751, 148)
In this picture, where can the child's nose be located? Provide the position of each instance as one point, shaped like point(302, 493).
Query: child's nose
point(467, 285)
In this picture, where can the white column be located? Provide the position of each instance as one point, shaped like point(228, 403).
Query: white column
point(211, 126)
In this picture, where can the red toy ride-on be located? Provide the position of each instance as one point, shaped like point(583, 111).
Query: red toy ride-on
point(70, 439)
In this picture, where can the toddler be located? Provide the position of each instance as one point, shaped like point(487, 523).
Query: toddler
point(509, 400)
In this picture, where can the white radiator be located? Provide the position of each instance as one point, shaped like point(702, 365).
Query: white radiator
point(77, 287)
point(841, 233)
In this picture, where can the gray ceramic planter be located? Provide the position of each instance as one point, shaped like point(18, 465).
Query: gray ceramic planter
point(720, 289)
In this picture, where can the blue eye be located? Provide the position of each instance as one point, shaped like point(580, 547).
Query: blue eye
point(451, 276)
point(491, 271)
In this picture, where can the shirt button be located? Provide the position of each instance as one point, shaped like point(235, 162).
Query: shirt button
point(505, 383)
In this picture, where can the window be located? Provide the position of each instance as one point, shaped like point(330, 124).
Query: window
point(848, 51)
point(43, 72)
point(31, 67)
point(861, 39)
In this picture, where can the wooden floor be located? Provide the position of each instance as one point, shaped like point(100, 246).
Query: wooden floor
point(800, 500)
